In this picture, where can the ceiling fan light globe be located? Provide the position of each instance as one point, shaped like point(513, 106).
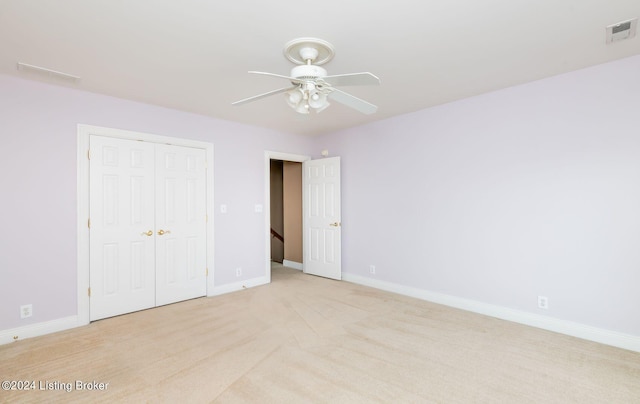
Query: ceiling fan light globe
point(322, 108)
point(294, 97)
point(318, 101)
point(302, 108)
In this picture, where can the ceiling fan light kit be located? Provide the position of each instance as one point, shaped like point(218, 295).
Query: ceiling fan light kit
point(311, 85)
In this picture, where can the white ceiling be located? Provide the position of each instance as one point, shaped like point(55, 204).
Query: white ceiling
point(193, 55)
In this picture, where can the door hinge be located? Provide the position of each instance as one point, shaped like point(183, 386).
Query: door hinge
point(89, 223)
point(207, 272)
point(89, 154)
point(89, 292)
point(206, 218)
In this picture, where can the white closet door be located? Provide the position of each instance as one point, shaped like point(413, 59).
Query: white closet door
point(122, 250)
point(181, 233)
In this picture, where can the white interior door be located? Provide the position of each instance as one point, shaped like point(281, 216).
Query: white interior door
point(122, 242)
point(181, 232)
point(321, 220)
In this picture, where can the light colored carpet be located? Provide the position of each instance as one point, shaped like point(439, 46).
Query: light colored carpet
point(308, 339)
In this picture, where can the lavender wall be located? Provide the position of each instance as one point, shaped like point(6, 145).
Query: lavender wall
point(38, 135)
point(532, 190)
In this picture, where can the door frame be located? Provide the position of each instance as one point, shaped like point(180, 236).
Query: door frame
point(84, 131)
point(268, 156)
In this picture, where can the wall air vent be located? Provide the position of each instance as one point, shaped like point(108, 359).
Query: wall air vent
point(622, 30)
point(47, 72)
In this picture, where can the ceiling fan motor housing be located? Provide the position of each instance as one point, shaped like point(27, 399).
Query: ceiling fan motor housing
point(308, 72)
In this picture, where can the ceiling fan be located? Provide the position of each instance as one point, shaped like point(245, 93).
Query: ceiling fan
point(311, 87)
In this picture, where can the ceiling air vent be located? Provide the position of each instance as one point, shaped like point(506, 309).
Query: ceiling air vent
point(622, 30)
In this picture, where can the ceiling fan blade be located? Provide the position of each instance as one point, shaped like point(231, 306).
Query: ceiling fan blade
point(353, 102)
point(352, 79)
point(291, 79)
point(259, 96)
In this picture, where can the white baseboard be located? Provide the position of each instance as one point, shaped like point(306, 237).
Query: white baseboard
point(236, 286)
point(38, 329)
point(293, 264)
point(603, 336)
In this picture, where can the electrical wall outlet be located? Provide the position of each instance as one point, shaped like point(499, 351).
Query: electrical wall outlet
point(372, 269)
point(239, 272)
point(543, 302)
point(26, 311)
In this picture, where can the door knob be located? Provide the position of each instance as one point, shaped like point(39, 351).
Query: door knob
point(335, 224)
point(147, 233)
point(161, 232)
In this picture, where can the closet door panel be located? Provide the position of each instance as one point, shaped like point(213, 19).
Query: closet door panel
point(122, 243)
point(181, 223)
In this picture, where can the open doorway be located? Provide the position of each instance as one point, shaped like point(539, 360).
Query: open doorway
point(283, 195)
point(322, 235)
point(286, 213)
